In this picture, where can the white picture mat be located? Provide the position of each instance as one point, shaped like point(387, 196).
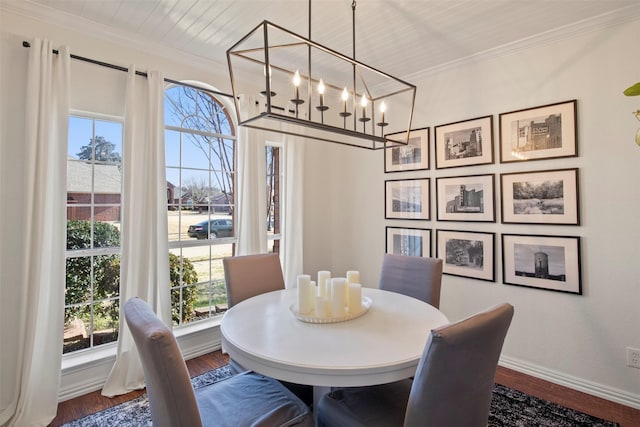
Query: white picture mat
point(486, 182)
point(418, 137)
point(423, 233)
point(509, 133)
point(488, 265)
point(415, 190)
point(571, 262)
point(484, 123)
point(569, 178)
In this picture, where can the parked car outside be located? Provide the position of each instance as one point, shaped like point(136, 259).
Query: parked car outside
point(211, 228)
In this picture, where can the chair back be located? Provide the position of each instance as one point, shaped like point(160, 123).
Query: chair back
point(171, 397)
point(454, 381)
point(417, 277)
point(249, 275)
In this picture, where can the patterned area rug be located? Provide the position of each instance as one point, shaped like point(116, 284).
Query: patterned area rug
point(509, 408)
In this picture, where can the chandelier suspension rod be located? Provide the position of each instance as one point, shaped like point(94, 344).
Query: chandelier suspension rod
point(353, 38)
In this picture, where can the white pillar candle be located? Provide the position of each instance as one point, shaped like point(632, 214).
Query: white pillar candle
point(355, 298)
point(338, 300)
point(353, 276)
point(322, 307)
point(305, 294)
point(323, 283)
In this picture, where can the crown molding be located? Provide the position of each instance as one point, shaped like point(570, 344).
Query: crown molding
point(104, 33)
point(597, 23)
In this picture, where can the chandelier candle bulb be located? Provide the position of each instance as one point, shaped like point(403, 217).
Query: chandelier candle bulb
point(338, 300)
point(306, 294)
point(345, 98)
point(323, 283)
point(321, 92)
point(296, 84)
point(355, 298)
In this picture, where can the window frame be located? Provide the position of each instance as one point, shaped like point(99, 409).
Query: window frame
point(94, 251)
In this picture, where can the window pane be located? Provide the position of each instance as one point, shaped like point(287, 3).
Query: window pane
point(108, 142)
point(80, 134)
point(94, 180)
point(172, 148)
point(200, 161)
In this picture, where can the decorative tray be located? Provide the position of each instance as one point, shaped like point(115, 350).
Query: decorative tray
point(311, 318)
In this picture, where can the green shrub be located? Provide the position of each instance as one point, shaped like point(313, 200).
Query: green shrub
point(106, 274)
point(189, 293)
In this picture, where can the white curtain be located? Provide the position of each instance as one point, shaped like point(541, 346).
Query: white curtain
point(37, 298)
point(251, 185)
point(291, 243)
point(144, 268)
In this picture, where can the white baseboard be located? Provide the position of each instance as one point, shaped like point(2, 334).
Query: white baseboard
point(599, 390)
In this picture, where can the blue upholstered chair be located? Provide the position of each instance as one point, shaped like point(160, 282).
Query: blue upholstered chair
point(452, 387)
point(246, 399)
point(416, 277)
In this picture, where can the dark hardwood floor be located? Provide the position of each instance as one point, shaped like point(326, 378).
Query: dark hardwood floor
point(627, 417)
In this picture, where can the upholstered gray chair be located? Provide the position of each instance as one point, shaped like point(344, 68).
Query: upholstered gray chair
point(246, 399)
point(249, 275)
point(452, 387)
point(416, 277)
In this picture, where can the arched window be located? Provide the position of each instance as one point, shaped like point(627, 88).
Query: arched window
point(200, 146)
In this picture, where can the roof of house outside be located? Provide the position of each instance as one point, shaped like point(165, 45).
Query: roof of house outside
point(107, 178)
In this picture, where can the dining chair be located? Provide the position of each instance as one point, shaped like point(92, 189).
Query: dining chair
point(452, 387)
point(250, 275)
point(417, 277)
point(241, 400)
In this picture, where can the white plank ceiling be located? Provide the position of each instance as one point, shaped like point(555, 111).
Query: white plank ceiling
point(400, 37)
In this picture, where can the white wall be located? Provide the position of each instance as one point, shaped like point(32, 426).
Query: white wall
point(571, 339)
point(575, 340)
point(95, 89)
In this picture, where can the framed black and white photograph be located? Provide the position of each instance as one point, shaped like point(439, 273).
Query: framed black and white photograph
point(466, 198)
point(543, 262)
point(545, 132)
point(540, 197)
point(407, 199)
point(409, 241)
point(464, 143)
point(410, 157)
point(467, 253)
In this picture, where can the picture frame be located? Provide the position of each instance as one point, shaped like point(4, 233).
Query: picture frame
point(464, 143)
point(466, 198)
point(411, 157)
point(467, 253)
point(542, 262)
point(407, 199)
point(540, 197)
point(545, 132)
point(408, 241)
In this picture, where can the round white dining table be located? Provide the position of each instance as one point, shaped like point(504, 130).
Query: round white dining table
point(383, 345)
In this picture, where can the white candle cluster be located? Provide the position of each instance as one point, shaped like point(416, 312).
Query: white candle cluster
point(332, 297)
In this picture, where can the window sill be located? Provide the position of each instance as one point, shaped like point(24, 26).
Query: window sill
point(86, 371)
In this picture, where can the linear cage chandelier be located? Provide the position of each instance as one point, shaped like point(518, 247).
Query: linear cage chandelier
point(305, 89)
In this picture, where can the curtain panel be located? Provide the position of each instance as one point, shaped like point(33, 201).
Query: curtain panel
point(251, 186)
point(36, 300)
point(144, 268)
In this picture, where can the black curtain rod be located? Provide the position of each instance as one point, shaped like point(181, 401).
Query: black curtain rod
point(138, 73)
